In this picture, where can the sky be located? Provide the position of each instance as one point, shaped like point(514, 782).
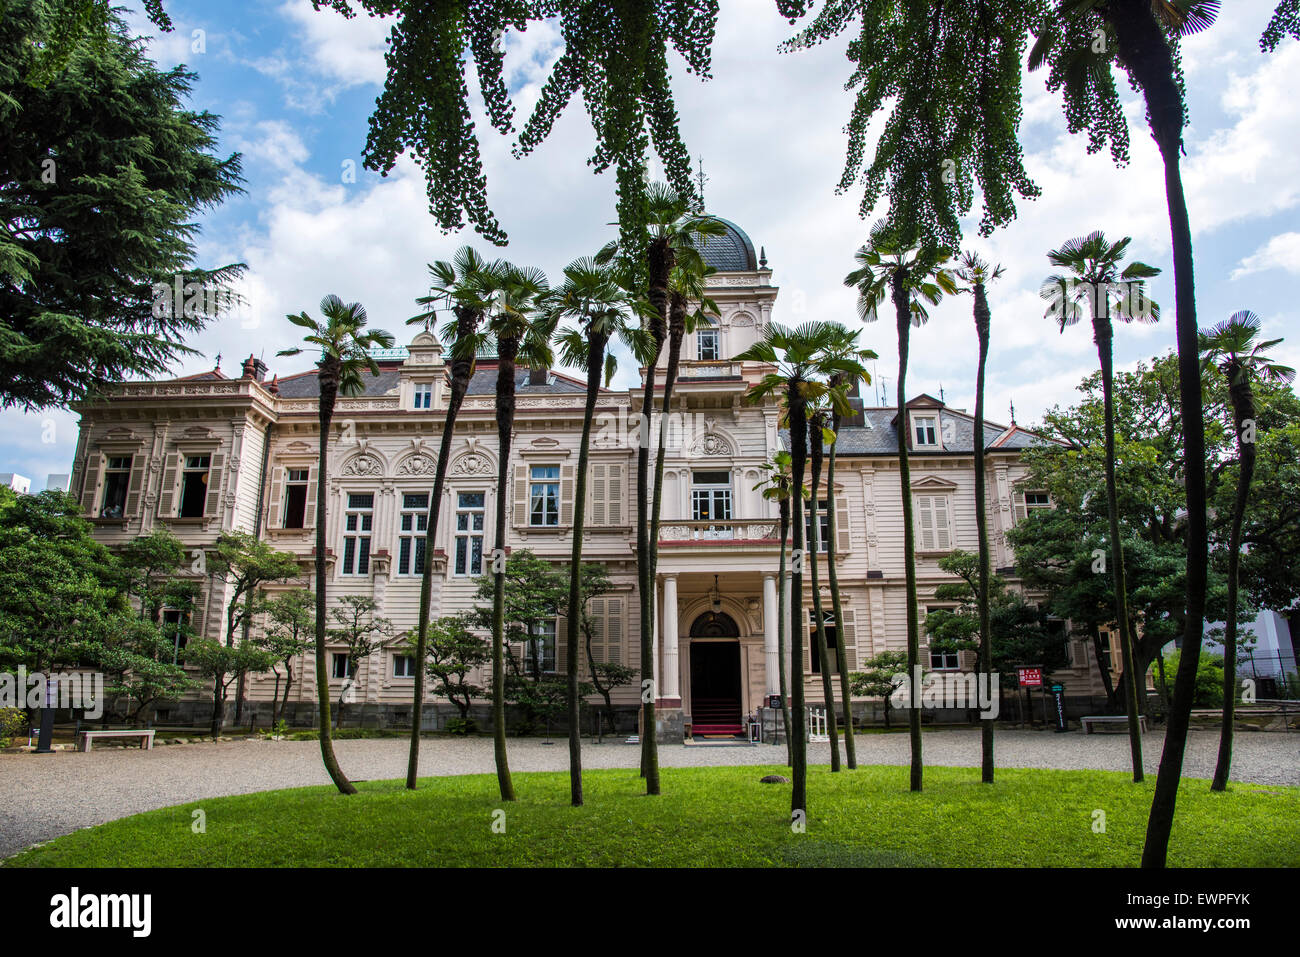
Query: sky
point(295, 87)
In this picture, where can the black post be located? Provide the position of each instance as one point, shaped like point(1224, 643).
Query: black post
point(46, 737)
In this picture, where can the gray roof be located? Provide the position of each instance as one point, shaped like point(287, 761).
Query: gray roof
point(482, 382)
point(730, 252)
point(878, 435)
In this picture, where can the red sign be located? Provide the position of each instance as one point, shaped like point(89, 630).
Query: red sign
point(1030, 677)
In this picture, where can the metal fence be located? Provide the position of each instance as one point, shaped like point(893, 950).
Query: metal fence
point(1275, 674)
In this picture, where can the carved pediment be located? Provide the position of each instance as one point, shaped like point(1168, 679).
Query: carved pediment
point(933, 483)
point(299, 447)
point(364, 463)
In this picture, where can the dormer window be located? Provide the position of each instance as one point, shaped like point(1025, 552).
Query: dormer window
point(423, 395)
point(709, 350)
point(925, 430)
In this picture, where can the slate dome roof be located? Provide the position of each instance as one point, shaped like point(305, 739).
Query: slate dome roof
point(730, 252)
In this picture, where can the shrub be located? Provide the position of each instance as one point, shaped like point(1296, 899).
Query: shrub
point(1209, 679)
point(12, 721)
point(461, 726)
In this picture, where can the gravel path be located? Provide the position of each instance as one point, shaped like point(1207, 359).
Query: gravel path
point(42, 797)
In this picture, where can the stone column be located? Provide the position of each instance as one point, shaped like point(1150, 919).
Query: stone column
point(769, 635)
point(671, 684)
point(654, 632)
point(789, 676)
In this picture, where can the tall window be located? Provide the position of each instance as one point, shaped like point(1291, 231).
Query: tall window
point(544, 495)
point(403, 666)
point(943, 660)
point(1027, 502)
point(828, 623)
point(117, 477)
point(342, 666)
point(540, 649)
point(470, 515)
point(194, 486)
point(295, 498)
point(423, 395)
point(709, 350)
point(173, 622)
point(927, 429)
point(357, 523)
point(711, 500)
point(414, 523)
point(932, 519)
point(823, 520)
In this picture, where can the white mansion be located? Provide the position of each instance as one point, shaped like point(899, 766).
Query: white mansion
point(207, 453)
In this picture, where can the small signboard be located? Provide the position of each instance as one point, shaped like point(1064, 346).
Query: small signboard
point(1058, 696)
point(774, 701)
point(1030, 676)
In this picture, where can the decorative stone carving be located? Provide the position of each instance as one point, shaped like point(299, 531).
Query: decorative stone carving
point(472, 463)
point(713, 444)
point(363, 464)
point(418, 464)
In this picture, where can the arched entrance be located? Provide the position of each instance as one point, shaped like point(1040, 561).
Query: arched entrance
point(715, 675)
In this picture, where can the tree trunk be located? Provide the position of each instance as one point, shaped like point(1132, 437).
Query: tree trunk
point(1144, 51)
point(902, 310)
point(837, 607)
point(1111, 701)
point(218, 706)
point(329, 384)
point(288, 683)
point(1131, 680)
point(595, 364)
point(798, 739)
point(507, 349)
point(1243, 410)
point(461, 369)
point(784, 509)
point(818, 634)
point(983, 322)
point(659, 261)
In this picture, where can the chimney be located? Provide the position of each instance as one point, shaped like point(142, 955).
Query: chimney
point(858, 417)
point(254, 368)
point(538, 376)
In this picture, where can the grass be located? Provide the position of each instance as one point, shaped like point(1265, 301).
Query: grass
point(716, 817)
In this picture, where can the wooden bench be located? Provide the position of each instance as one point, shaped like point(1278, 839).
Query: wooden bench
point(1089, 721)
point(85, 738)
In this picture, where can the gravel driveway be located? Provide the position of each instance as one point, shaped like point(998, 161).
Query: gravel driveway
point(44, 796)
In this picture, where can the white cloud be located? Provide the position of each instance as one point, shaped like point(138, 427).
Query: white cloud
point(1280, 252)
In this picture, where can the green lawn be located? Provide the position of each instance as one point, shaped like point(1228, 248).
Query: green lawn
point(706, 816)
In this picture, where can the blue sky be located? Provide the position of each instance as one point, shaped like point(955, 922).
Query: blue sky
point(295, 88)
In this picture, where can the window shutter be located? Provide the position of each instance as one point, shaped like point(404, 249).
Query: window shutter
point(199, 614)
point(562, 644)
point(521, 495)
point(843, 537)
point(309, 512)
point(807, 642)
point(850, 639)
point(614, 629)
point(167, 494)
point(216, 476)
point(599, 633)
point(942, 528)
point(616, 485)
point(925, 516)
point(1021, 510)
point(597, 496)
point(276, 505)
point(566, 494)
point(90, 487)
point(133, 491)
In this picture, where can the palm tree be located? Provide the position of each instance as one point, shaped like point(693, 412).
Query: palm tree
point(820, 436)
point(847, 352)
point(889, 270)
point(461, 287)
point(674, 228)
point(594, 298)
point(522, 333)
point(1233, 346)
point(1096, 278)
point(975, 275)
point(799, 357)
point(344, 341)
point(1143, 36)
point(776, 487)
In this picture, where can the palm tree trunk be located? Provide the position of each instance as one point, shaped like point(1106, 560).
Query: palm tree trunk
point(1131, 679)
point(983, 320)
point(1144, 51)
point(461, 369)
point(784, 508)
point(837, 607)
point(902, 309)
point(595, 364)
point(818, 633)
point(1243, 409)
point(646, 578)
point(507, 349)
point(798, 739)
point(284, 702)
point(329, 383)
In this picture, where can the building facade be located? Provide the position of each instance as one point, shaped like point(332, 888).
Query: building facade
point(208, 453)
